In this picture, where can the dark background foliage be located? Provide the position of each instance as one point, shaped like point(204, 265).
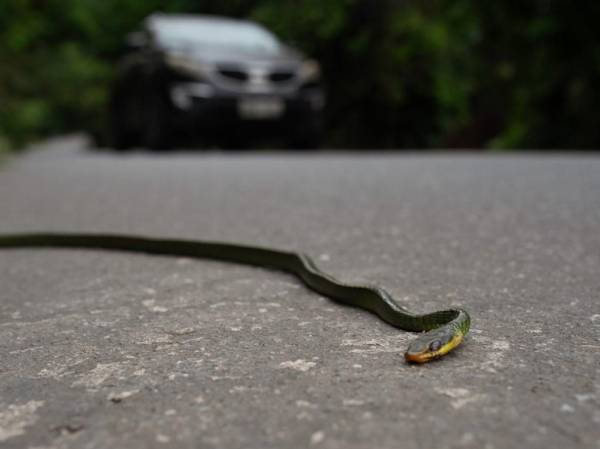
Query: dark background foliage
point(405, 74)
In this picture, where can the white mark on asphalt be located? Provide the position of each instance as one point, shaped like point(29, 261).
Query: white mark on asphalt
point(150, 305)
point(217, 378)
point(217, 305)
point(269, 304)
point(183, 331)
point(317, 437)
point(14, 418)
point(238, 389)
point(495, 354)
point(566, 408)
point(162, 438)
point(120, 396)
point(151, 339)
point(352, 402)
point(304, 404)
point(501, 345)
point(99, 374)
point(20, 351)
point(460, 396)
point(585, 397)
point(595, 318)
point(60, 367)
point(298, 365)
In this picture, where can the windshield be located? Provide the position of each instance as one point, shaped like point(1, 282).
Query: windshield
point(229, 35)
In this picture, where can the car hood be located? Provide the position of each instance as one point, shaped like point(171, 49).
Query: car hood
point(287, 57)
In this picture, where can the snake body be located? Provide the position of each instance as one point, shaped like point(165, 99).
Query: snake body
point(444, 330)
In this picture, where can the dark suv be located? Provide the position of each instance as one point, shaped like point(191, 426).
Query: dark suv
point(213, 77)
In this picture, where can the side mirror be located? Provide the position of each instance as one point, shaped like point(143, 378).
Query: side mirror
point(136, 41)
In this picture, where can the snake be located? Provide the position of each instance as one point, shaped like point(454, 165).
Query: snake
point(441, 331)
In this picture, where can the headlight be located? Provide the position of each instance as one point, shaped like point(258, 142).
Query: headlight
point(310, 70)
point(187, 64)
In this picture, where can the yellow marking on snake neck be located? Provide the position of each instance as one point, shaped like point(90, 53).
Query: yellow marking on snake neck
point(427, 355)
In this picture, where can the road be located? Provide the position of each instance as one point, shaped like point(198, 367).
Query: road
point(108, 350)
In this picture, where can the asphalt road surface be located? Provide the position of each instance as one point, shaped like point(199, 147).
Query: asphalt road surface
point(113, 350)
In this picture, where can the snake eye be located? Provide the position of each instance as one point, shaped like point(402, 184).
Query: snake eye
point(435, 345)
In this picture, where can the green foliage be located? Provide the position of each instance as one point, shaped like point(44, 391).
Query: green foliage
point(422, 73)
point(56, 61)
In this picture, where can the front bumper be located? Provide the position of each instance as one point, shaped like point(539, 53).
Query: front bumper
point(203, 108)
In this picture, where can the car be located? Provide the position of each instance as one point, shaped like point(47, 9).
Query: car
point(215, 78)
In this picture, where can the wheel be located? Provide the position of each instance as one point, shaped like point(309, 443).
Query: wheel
point(120, 136)
point(307, 137)
point(156, 130)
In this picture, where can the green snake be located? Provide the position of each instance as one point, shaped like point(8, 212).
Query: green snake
point(443, 330)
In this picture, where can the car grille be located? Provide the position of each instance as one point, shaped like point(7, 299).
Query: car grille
point(242, 75)
point(234, 74)
point(281, 76)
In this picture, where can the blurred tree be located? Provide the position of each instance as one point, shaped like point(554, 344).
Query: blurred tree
point(420, 73)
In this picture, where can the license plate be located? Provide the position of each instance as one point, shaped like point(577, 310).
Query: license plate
point(260, 108)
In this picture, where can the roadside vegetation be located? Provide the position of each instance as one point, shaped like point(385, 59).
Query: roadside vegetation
point(427, 73)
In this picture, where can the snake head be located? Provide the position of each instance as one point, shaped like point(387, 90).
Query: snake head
point(434, 344)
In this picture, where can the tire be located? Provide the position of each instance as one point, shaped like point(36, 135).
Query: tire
point(307, 137)
point(120, 137)
point(156, 132)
